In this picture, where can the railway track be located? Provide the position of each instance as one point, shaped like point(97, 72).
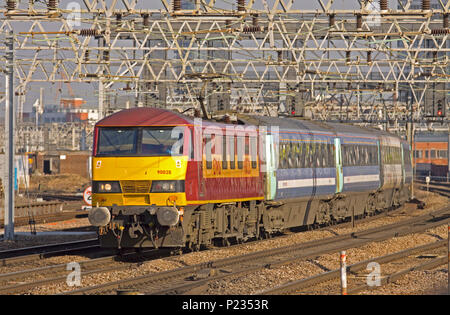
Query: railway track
point(24, 280)
point(35, 256)
point(20, 255)
point(442, 188)
point(194, 279)
point(357, 272)
point(47, 218)
point(60, 196)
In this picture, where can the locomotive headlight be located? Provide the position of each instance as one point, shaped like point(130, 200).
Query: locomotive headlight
point(106, 187)
point(167, 186)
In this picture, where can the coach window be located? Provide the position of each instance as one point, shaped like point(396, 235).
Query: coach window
point(344, 155)
point(308, 155)
point(288, 158)
point(433, 154)
point(281, 155)
point(291, 155)
point(297, 157)
point(442, 154)
point(351, 155)
point(318, 157)
point(426, 154)
point(325, 155)
point(312, 152)
point(331, 154)
point(358, 155)
point(298, 160)
point(301, 155)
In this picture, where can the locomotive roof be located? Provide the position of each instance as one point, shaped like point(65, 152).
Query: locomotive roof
point(144, 116)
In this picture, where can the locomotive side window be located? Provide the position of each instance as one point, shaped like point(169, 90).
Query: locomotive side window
point(253, 151)
point(208, 151)
point(240, 152)
point(232, 150)
point(224, 153)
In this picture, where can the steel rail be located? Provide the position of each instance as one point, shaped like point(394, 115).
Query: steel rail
point(58, 272)
point(43, 251)
point(47, 218)
point(191, 286)
point(299, 251)
point(294, 286)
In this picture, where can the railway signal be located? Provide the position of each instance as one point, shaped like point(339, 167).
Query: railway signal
point(293, 106)
point(440, 109)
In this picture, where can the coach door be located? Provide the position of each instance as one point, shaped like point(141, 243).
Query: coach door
point(271, 180)
point(338, 160)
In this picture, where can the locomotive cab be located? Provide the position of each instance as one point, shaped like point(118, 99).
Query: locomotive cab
point(138, 182)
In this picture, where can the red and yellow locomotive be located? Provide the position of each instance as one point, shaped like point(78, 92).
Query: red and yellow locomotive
point(145, 168)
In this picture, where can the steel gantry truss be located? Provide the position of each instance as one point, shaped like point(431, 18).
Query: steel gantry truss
point(374, 62)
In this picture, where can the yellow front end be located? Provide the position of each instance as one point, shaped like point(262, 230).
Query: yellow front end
point(139, 181)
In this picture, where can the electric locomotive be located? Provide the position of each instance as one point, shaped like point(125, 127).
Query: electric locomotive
point(162, 179)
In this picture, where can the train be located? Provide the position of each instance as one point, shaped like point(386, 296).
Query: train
point(430, 155)
point(161, 179)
